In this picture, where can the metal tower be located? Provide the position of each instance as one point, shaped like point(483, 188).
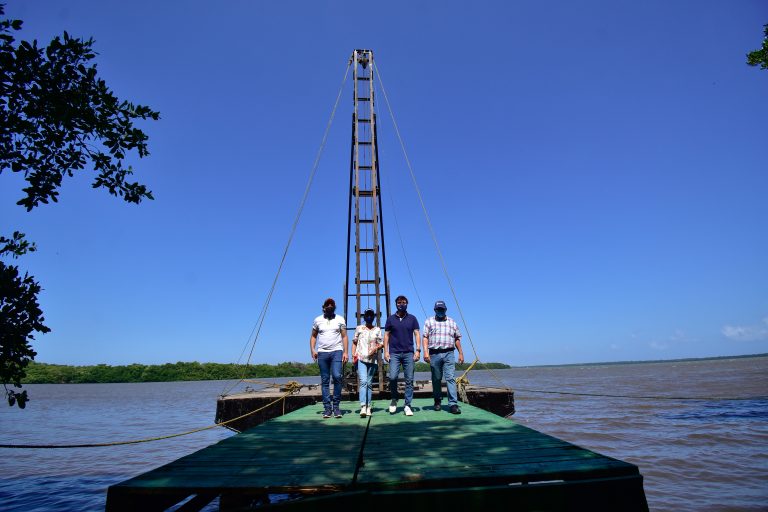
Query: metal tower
point(364, 217)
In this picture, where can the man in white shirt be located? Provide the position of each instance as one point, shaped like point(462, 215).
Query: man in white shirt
point(328, 344)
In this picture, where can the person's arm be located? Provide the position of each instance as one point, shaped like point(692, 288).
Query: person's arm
point(345, 345)
point(312, 341)
point(426, 341)
point(457, 342)
point(354, 344)
point(386, 346)
point(417, 354)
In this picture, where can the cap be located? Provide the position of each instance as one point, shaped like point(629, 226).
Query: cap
point(369, 310)
point(440, 305)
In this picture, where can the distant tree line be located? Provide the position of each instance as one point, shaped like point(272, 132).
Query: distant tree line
point(43, 373)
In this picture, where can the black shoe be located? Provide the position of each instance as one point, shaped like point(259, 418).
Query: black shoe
point(455, 409)
point(438, 407)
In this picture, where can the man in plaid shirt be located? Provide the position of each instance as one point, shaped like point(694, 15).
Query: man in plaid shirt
point(441, 338)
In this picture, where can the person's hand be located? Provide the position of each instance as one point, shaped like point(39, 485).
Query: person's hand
point(344, 358)
point(355, 359)
point(461, 358)
point(386, 355)
point(426, 357)
point(416, 356)
point(314, 355)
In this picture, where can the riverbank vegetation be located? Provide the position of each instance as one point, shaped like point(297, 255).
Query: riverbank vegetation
point(43, 373)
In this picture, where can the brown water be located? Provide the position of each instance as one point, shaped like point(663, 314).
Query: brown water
point(701, 455)
point(694, 455)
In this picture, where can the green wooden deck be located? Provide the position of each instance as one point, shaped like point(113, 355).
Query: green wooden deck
point(472, 459)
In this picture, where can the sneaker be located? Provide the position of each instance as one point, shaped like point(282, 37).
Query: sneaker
point(455, 409)
point(438, 407)
point(336, 413)
point(392, 406)
point(363, 411)
point(369, 411)
point(407, 410)
point(326, 414)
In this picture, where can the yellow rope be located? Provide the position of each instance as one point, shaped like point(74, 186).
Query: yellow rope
point(463, 381)
point(147, 440)
point(292, 386)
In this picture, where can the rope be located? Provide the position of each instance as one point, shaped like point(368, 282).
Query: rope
point(147, 440)
point(429, 224)
point(263, 314)
point(292, 387)
point(463, 381)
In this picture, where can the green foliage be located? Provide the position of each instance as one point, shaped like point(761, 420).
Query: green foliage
point(20, 316)
point(42, 373)
point(57, 117)
point(760, 57)
point(16, 245)
point(424, 367)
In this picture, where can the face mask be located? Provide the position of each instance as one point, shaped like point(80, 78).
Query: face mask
point(369, 319)
point(402, 307)
point(440, 314)
point(329, 310)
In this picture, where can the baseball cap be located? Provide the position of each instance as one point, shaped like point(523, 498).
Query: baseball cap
point(440, 305)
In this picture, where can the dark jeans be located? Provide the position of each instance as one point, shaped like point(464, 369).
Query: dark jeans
point(396, 360)
point(330, 366)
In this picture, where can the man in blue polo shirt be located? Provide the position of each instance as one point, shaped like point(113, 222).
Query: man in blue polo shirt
point(401, 330)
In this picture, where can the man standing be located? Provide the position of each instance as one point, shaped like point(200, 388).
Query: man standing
point(441, 337)
point(399, 333)
point(328, 344)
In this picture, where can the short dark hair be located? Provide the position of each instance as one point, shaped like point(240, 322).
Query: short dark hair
point(401, 297)
point(329, 302)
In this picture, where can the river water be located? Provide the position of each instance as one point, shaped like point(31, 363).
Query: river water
point(695, 455)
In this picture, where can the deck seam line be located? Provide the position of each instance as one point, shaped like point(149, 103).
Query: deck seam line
point(360, 460)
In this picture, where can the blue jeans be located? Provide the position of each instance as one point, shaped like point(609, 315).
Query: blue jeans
point(443, 363)
point(404, 359)
point(365, 373)
point(330, 366)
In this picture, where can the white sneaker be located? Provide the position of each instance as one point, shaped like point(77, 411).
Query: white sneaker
point(408, 411)
point(363, 410)
point(392, 406)
point(368, 411)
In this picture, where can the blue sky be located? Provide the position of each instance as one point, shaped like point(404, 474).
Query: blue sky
point(595, 172)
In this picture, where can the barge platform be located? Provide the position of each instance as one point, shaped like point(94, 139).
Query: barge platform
point(268, 404)
point(431, 459)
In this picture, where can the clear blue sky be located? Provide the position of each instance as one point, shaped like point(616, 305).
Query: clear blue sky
point(596, 172)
